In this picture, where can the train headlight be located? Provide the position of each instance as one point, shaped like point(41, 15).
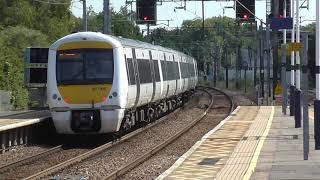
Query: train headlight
point(114, 94)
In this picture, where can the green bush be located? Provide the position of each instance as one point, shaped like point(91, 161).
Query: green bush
point(13, 41)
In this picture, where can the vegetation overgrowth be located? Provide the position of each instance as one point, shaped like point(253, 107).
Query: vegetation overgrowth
point(26, 23)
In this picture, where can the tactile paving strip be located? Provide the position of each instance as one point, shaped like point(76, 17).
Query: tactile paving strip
point(239, 162)
point(218, 145)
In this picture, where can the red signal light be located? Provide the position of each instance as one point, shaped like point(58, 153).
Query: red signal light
point(245, 17)
point(145, 18)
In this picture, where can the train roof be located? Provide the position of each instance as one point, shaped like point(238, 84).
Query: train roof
point(116, 41)
point(145, 45)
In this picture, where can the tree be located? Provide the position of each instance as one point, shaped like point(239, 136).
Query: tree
point(55, 20)
point(13, 41)
point(217, 37)
point(120, 24)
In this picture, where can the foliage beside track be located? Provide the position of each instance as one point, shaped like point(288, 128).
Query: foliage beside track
point(26, 23)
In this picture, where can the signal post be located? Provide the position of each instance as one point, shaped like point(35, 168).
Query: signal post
point(317, 101)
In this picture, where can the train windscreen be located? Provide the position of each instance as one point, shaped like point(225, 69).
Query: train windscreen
point(84, 66)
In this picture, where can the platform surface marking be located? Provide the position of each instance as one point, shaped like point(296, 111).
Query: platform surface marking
point(242, 156)
point(208, 159)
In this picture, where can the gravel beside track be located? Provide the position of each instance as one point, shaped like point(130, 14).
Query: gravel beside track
point(20, 152)
point(153, 167)
point(119, 155)
point(41, 164)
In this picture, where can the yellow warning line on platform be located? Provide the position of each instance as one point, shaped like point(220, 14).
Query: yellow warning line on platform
point(254, 160)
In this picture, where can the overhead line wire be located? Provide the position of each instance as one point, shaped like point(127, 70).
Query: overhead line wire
point(52, 2)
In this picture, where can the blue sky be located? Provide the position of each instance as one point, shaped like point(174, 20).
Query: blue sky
point(166, 10)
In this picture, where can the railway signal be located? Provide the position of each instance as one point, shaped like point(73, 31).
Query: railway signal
point(245, 10)
point(146, 11)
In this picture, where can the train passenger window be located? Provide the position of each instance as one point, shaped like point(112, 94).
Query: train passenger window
point(164, 70)
point(188, 70)
point(171, 70)
point(191, 70)
point(184, 68)
point(131, 71)
point(156, 70)
point(176, 70)
point(144, 71)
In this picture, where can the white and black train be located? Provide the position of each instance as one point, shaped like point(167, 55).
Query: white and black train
point(104, 84)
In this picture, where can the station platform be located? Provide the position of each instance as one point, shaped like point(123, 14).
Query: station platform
point(15, 127)
point(20, 119)
point(252, 143)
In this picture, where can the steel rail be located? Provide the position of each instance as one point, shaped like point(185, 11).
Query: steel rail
point(229, 97)
point(28, 159)
point(88, 154)
point(124, 169)
point(91, 153)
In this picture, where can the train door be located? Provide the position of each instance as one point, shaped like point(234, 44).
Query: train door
point(162, 74)
point(136, 74)
point(166, 81)
point(145, 76)
point(153, 74)
point(132, 88)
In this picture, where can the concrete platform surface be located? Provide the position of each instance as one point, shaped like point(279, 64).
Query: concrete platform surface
point(21, 119)
point(253, 143)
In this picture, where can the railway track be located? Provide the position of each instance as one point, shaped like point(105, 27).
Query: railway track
point(21, 165)
point(89, 154)
point(26, 160)
point(40, 161)
point(139, 160)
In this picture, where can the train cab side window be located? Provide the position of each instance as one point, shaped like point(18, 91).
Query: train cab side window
point(131, 71)
point(128, 74)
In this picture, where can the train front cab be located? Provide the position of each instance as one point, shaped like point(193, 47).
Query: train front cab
point(83, 87)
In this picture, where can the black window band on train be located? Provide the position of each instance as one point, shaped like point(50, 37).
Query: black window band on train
point(164, 68)
point(84, 66)
point(130, 71)
point(156, 70)
point(144, 71)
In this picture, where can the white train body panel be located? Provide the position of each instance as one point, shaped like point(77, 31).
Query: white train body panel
point(139, 75)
